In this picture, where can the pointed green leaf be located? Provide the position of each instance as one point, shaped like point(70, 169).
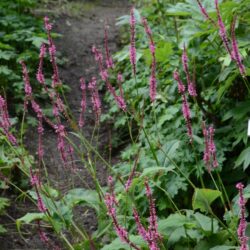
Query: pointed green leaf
point(203, 198)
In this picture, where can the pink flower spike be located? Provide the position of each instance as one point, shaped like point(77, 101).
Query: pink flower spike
point(243, 223)
point(132, 49)
point(206, 156)
point(109, 60)
point(39, 75)
point(83, 103)
point(48, 26)
point(235, 50)
point(120, 77)
point(209, 156)
point(181, 86)
point(121, 103)
point(222, 30)
point(52, 51)
point(141, 230)
point(41, 207)
point(152, 81)
point(27, 87)
point(153, 226)
point(95, 99)
point(191, 86)
point(187, 117)
point(204, 12)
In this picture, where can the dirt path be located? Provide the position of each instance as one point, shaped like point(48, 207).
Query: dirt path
point(81, 25)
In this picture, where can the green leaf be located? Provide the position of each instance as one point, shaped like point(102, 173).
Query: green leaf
point(162, 53)
point(151, 171)
point(2, 229)
point(28, 218)
point(4, 70)
point(223, 248)
point(176, 235)
point(203, 198)
point(6, 55)
point(117, 244)
point(173, 221)
point(4, 202)
point(206, 223)
point(37, 41)
point(79, 196)
point(244, 159)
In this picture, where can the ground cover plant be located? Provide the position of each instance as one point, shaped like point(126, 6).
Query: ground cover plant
point(179, 96)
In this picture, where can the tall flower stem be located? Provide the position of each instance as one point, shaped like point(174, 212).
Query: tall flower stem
point(216, 186)
point(179, 169)
point(199, 168)
point(151, 147)
point(224, 189)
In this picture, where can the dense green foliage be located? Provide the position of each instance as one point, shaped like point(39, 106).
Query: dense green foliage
point(20, 39)
point(223, 100)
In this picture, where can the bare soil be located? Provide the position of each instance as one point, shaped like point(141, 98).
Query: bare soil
point(81, 24)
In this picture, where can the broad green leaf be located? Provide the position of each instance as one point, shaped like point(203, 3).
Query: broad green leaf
point(117, 244)
point(206, 223)
point(203, 198)
point(82, 196)
point(162, 53)
point(6, 55)
point(156, 170)
point(244, 159)
point(173, 221)
point(37, 41)
point(28, 218)
point(4, 70)
point(176, 235)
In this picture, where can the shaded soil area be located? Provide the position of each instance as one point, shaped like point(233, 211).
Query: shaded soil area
point(81, 25)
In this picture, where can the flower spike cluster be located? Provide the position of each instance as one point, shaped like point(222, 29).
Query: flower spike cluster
point(232, 50)
point(243, 223)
